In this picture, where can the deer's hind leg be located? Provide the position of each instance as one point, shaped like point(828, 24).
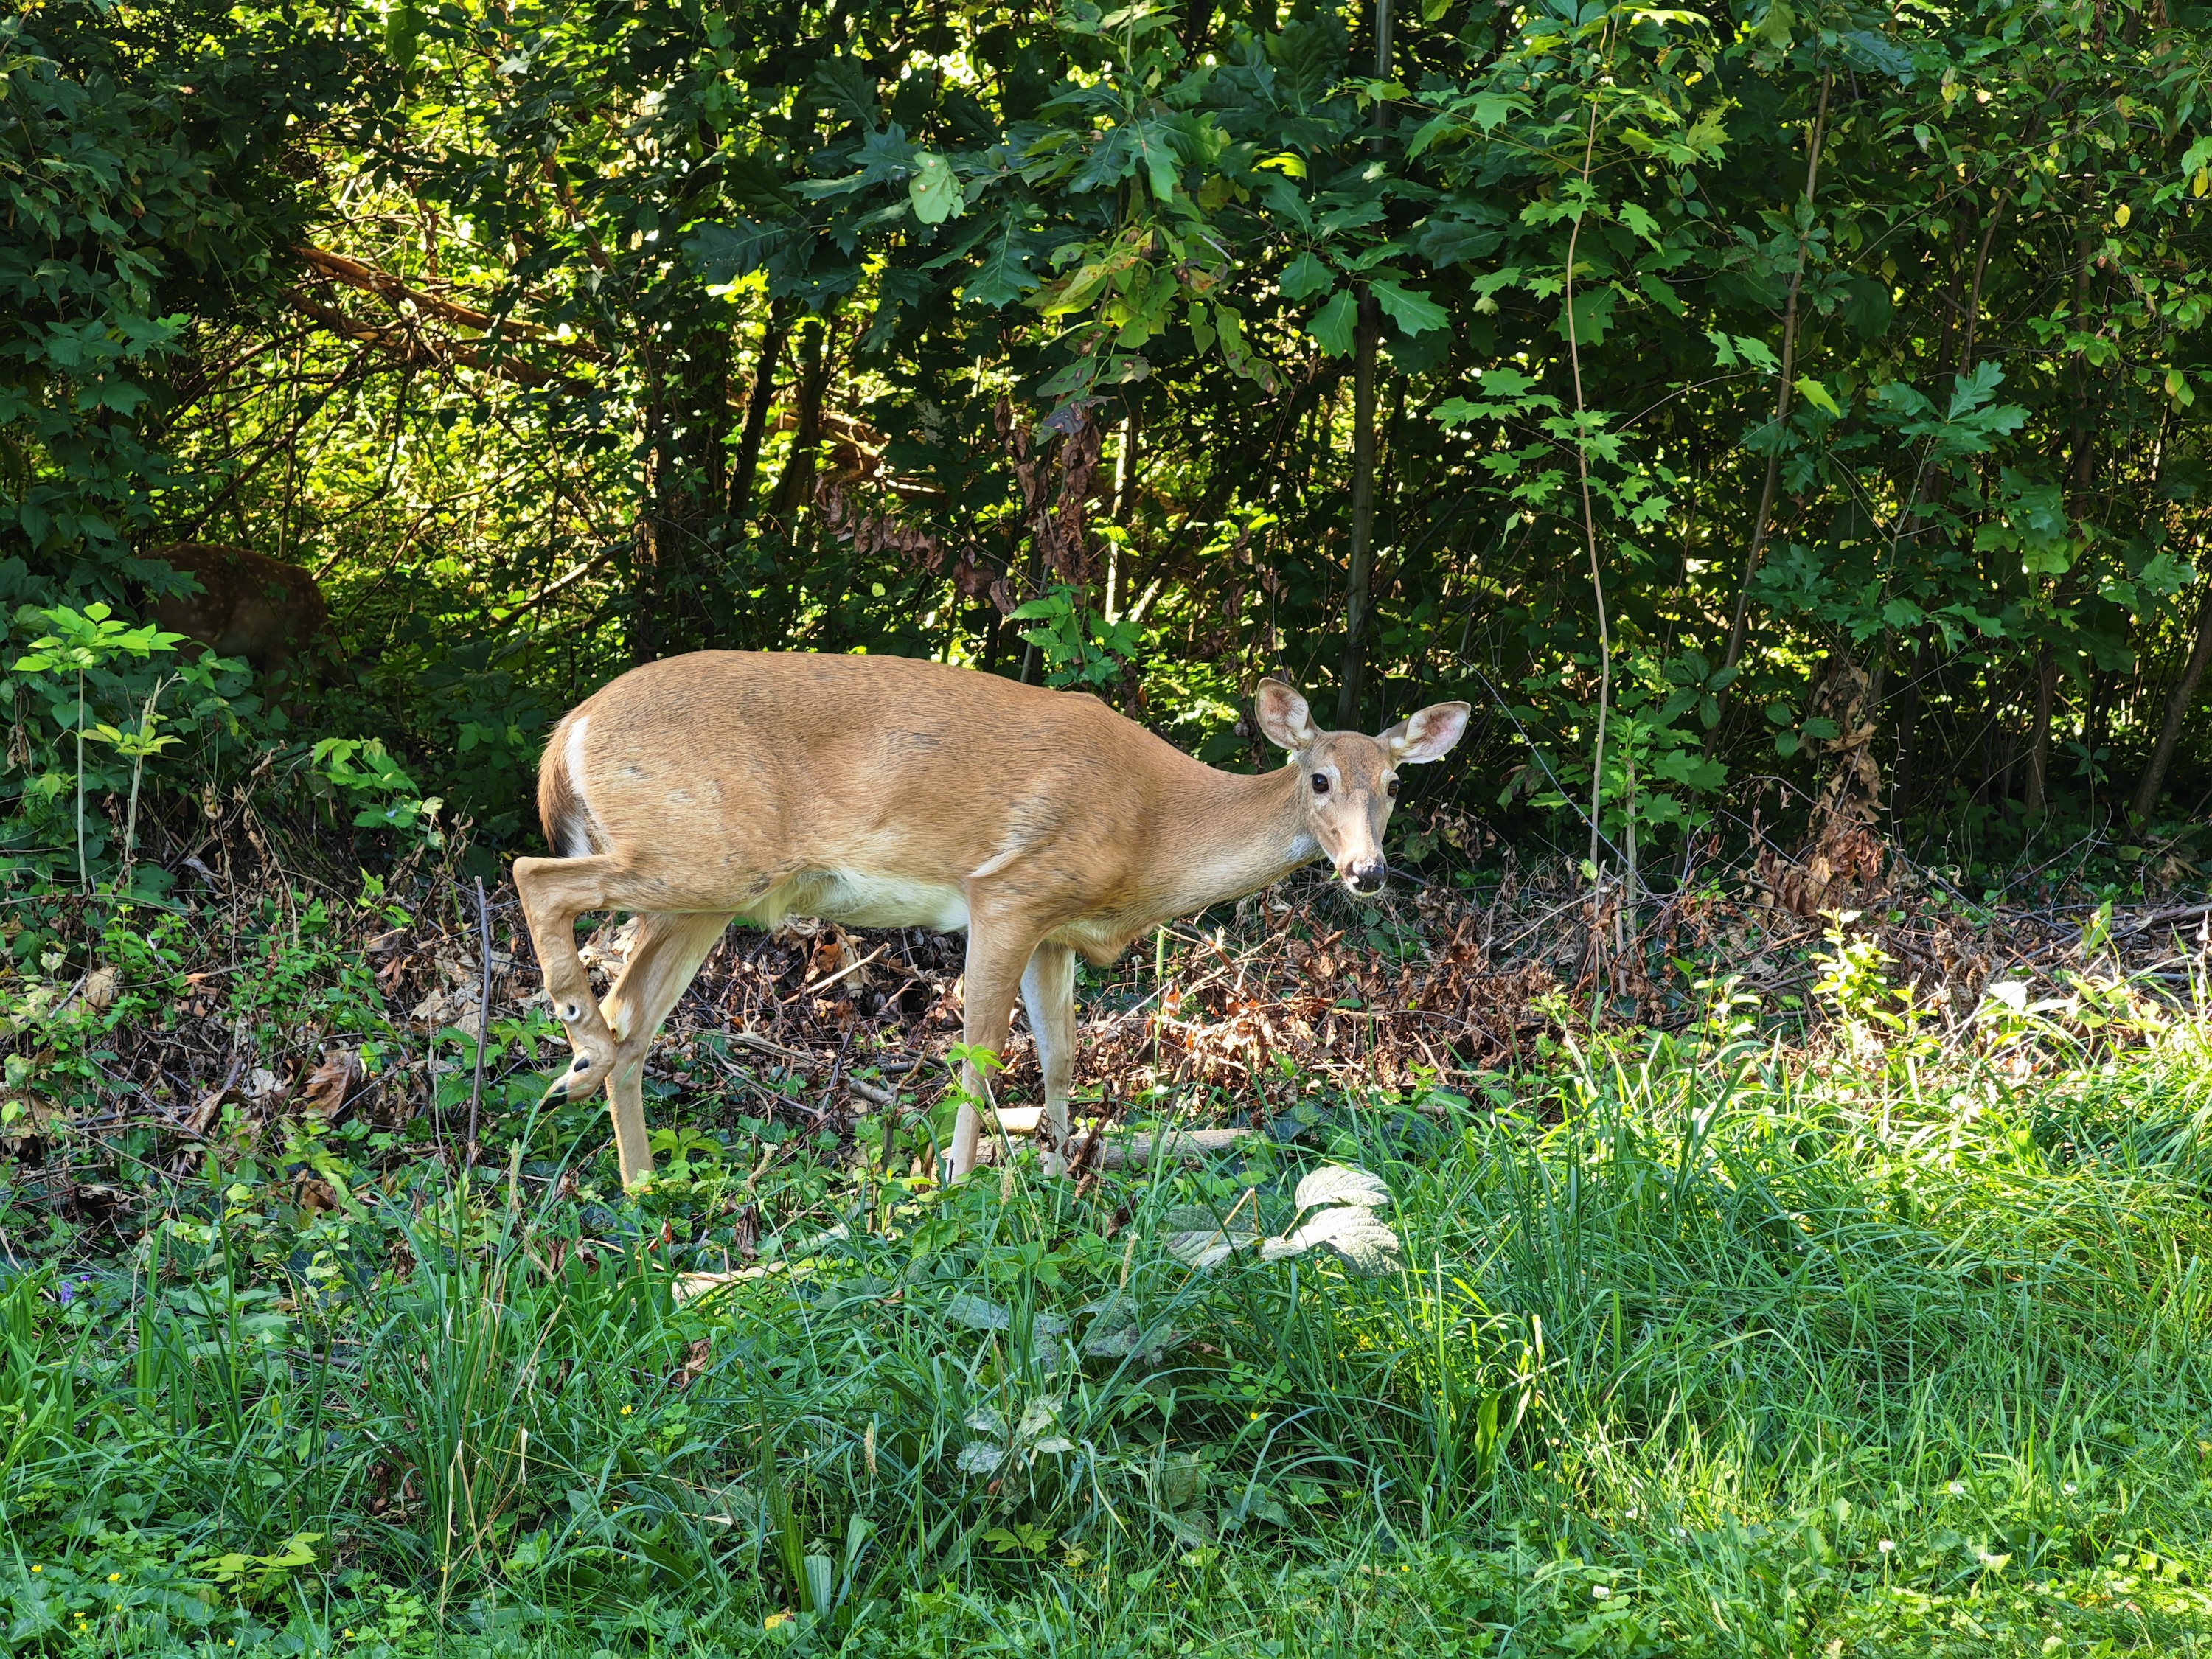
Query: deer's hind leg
point(664, 955)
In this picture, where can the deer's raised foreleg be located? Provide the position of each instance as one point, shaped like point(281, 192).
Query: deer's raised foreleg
point(554, 893)
point(1049, 997)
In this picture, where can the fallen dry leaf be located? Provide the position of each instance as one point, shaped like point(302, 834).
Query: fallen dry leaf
point(41, 1117)
point(456, 1007)
point(697, 1358)
point(211, 1108)
point(332, 1086)
point(100, 989)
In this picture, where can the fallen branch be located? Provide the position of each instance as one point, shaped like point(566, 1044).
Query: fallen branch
point(405, 347)
point(354, 274)
point(1183, 1145)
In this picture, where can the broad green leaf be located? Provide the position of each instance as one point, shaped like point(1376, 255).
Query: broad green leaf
point(1002, 276)
point(1365, 1244)
point(844, 87)
point(1196, 1238)
point(1332, 324)
point(978, 1313)
point(1817, 395)
point(1755, 353)
point(723, 254)
point(934, 191)
point(1591, 318)
point(2163, 573)
point(1335, 1183)
point(1305, 276)
point(1413, 311)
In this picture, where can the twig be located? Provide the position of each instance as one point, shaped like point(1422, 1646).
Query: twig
point(829, 1093)
point(819, 986)
point(1183, 1146)
point(1589, 521)
point(483, 1016)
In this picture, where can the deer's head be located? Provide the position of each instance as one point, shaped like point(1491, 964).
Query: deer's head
point(1349, 781)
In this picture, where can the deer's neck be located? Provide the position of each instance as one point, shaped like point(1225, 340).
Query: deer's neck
point(1228, 835)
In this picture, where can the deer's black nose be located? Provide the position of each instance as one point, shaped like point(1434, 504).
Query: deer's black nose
point(1367, 877)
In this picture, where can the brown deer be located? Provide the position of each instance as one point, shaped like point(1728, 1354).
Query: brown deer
point(887, 792)
point(249, 605)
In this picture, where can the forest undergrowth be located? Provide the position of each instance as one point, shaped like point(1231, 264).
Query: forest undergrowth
point(1781, 1286)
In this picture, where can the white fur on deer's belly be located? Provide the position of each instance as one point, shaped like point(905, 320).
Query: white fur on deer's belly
point(860, 900)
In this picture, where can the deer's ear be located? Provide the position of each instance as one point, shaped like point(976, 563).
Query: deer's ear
point(1428, 735)
point(1283, 715)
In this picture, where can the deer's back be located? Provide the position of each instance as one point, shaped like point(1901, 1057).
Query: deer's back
point(870, 769)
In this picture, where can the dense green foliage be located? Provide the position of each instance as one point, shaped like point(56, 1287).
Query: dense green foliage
point(1708, 396)
point(1769, 394)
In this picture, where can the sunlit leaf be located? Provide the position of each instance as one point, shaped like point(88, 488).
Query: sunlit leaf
point(1335, 1183)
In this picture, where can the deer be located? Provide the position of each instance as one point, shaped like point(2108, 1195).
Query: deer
point(886, 792)
point(247, 605)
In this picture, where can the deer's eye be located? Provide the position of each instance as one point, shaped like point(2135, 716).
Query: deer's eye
point(1320, 783)
point(1391, 789)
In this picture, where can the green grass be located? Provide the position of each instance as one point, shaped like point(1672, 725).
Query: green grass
point(1710, 1347)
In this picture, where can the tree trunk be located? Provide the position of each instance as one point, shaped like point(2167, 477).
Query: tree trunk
point(1126, 455)
point(1360, 572)
point(648, 579)
point(1908, 730)
point(688, 488)
point(774, 332)
point(2177, 710)
point(796, 486)
point(989, 663)
point(2034, 793)
point(1762, 519)
point(1035, 586)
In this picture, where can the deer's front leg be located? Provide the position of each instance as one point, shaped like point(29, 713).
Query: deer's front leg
point(554, 893)
point(994, 972)
point(1048, 995)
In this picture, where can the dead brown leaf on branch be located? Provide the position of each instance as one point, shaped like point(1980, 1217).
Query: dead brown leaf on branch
point(1841, 863)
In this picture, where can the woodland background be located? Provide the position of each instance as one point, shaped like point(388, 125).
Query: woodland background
point(1786, 426)
point(1783, 414)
